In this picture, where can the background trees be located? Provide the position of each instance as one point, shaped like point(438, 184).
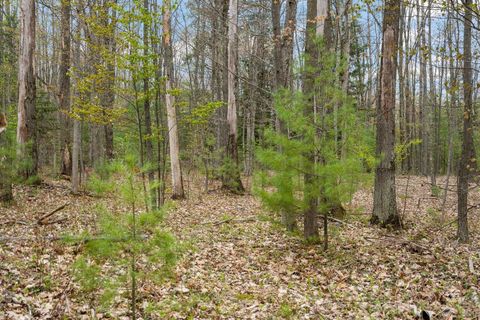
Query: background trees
point(118, 77)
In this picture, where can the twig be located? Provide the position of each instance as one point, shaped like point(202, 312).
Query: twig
point(339, 221)
point(216, 223)
point(10, 222)
point(44, 217)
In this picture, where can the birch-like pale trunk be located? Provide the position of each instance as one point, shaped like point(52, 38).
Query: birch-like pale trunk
point(177, 183)
point(231, 179)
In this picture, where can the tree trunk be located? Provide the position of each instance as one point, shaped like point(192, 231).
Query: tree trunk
point(147, 113)
point(316, 16)
point(231, 179)
point(109, 95)
point(26, 128)
point(466, 160)
point(384, 203)
point(177, 183)
point(64, 87)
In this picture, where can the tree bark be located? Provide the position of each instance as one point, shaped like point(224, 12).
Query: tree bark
point(109, 95)
point(26, 127)
point(231, 179)
point(177, 183)
point(384, 203)
point(146, 110)
point(465, 168)
point(316, 18)
point(64, 87)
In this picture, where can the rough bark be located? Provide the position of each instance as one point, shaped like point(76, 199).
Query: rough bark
point(465, 168)
point(384, 203)
point(26, 127)
point(315, 28)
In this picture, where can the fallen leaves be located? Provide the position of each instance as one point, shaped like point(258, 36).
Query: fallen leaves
point(242, 265)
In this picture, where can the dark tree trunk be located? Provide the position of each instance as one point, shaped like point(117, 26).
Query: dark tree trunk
point(310, 223)
point(64, 88)
point(466, 166)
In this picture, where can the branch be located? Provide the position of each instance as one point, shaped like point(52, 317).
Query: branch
point(44, 217)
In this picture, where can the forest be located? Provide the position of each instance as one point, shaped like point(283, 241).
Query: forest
point(239, 159)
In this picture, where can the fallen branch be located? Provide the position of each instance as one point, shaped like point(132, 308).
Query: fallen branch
point(75, 240)
point(321, 217)
point(44, 217)
point(216, 223)
point(11, 222)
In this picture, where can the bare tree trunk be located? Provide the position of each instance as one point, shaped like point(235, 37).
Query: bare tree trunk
point(109, 94)
point(26, 128)
point(288, 36)
point(147, 114)
point(434, 122)
point(64, 87)
point(77, 136)
point(177, 183)
point(77, 131)
point(384, 202)
point(317, 11)
point(466, 161)
point(231, 179)
point(277, 45)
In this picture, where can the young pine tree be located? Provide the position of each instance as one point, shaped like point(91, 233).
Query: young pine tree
point(127, 247)
point(332, 133)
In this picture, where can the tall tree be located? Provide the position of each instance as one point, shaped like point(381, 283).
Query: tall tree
point(231, 179)
point(64, 86)
point(317, 11)
point(77, 125)
point(177, 183)
point(146, 105)
point(108, 97)
point(467, 160)
point(26, 127)
point(384, 202)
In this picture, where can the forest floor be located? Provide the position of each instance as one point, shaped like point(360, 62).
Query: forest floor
point(240, 264)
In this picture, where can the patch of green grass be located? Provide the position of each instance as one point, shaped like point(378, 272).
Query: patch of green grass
point(244, 296)
point(286, 311)
point(33, 181)
point(436, 191)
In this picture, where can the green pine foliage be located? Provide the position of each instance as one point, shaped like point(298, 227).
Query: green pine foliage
point(333, 133)
point(127, 246)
